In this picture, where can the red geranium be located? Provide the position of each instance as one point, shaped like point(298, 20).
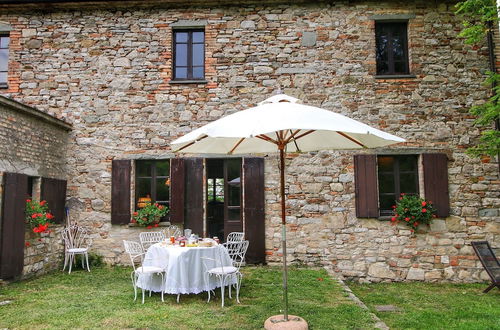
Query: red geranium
point(38, 215)
point(410, 210)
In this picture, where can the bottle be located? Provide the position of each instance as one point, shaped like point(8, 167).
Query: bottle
point(172, 239)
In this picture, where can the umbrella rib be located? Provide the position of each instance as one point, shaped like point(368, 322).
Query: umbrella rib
point(266, 138)
point(352, 139)
point(303, 134)
point(236, 145)
point(193, 142)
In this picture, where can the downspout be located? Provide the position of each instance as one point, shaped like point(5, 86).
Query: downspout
point(493, 68)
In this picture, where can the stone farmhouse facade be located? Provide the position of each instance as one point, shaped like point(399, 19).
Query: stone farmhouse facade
point(121, 80)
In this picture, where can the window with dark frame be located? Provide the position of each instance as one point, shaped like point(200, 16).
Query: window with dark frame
point(189, 54)
point(396, 175)
point(152, 180)
point(391, 40)
point(4, 59)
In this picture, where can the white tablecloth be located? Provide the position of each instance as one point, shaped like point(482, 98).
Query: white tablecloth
point(185, 269)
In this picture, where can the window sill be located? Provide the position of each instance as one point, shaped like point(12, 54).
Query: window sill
point(396, 76)
point(384, 218)
point(4, 86)
point(188, 82)
point(161, 224)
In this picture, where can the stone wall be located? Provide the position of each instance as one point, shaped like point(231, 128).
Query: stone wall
point(107, 71)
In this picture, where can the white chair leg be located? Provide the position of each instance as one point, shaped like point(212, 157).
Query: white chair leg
point(71, 257)
point(132, 275)
point(87, 259)
point(65, 260)
point(83, 261)
point(230, 291)
point(162, 286)
point(143, 296)
point(238, 286)
point(178, 297)
point(222, 289)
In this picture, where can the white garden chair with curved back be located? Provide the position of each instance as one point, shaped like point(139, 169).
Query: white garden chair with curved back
point(149, 238)
point(224, 273)
point(76, 241)
point(135, 252)
point(235, 236)
point(172, 230)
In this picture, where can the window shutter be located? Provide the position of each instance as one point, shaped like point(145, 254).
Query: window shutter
point(194, 195)
point(120, 192)
point(436, 182)
point(12, 227)
point(253, 192)
point(177, 190)
point(365, 181)
point(54, 192)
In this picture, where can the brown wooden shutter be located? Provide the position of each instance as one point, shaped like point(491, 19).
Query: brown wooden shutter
point(253, 192)
point(12, 228)
point(120, 192)
point(177, 190)
point(365, 181)
point(194, 195)
point(436, 182)
point(54, 192)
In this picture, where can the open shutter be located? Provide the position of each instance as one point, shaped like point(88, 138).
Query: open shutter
point(365, 181)
point(177, 190)
point(436, 182)
point(54, 192)
point(120, 192)
point(253, 192)
point(12, 228)
point(194, 195)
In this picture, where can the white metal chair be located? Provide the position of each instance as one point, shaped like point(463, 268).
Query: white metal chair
point(149, 238)
point(225, 273)
point(135, 252)
point(76, 241)
point(235, 236)
point(172, 230)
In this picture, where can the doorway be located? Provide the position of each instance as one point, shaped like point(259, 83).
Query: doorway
point(223, 197)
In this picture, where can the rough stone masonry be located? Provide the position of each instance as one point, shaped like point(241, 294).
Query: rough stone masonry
point(107, 70)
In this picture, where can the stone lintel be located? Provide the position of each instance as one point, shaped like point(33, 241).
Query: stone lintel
point(392, 17)
point(19, 107)
point(4, 27)
point(189, 24)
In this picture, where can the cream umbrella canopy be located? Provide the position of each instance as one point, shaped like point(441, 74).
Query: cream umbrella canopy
point(281, 123)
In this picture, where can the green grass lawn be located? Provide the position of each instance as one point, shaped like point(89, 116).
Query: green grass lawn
point(432, 305)
point(104, 298)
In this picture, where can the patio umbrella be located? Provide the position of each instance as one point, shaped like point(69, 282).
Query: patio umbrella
point(281, 123)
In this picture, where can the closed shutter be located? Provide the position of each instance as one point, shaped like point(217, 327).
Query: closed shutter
point(120, 192)
point(12, 227)
point(436, 182)
point(54, 192)
point(365, 181)
point(194, 195)
point(253, 192)
point(177, 190)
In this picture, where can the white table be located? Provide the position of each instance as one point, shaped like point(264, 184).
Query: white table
point(185, 269)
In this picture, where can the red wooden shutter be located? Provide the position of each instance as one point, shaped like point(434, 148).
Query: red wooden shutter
point(436, 182)
point(253, 192)
point(365, 181)
point(177, 190)
point(12, 227)
point(120, 192)
point(54, 192)
point(194, 195)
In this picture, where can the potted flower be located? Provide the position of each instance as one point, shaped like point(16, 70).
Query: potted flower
point(38, 216)
point(149, 215)
point(413, 211)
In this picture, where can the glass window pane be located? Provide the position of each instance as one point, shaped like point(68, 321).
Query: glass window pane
point(210, 190)
point(4, 42)
point(386, 183)
point(408, 163)
point(198, 54)
point(385, 164)
point(181, 36)
point(199, 37)
point(387, 201)
point(163, 168)
point(181, 73)
point(162, 190)
point(181, 55)
point(233, 169)
point(233, 195)
point(408, 183)
point(142, 188)
point(400, 67)
point(198, 72)
point(233, 214)
point(3, 77)
point(143, 168)
point(4, 59)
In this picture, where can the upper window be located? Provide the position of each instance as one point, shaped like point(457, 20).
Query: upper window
point(392, 48)
point(4, 59)
point(189, 55)
point(396, 175)
point(152, 182)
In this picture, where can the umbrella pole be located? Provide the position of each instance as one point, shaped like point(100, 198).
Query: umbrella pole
point(283, 230)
